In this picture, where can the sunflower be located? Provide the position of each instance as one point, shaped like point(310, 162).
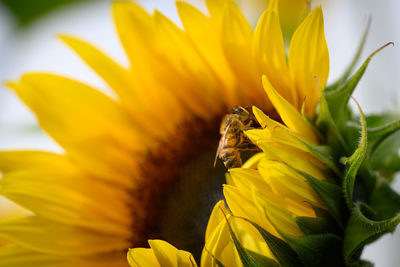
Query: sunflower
point(312, 196)
point(137, 164)
point(268, 193)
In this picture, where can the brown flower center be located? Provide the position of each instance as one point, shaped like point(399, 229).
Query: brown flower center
point(179, 187)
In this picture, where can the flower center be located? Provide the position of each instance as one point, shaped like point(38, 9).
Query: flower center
point(179, 187)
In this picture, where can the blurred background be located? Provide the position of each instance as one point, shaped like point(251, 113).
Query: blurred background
point(28, 43)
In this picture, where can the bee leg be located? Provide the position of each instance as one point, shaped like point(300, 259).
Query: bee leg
point(228, 155)
point(233, 163)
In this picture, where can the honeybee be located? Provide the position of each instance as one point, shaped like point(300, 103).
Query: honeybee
point(233, 140)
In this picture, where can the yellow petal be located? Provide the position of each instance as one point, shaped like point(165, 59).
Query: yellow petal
point(243, 206)
point(134, 27)
point(309, 59)
point(10, 210)
point(280, 217)
point(219, 242)
point(252, 162)
point(264, 120)
point(117, 77)
point(160, 253)
point(207, 41)
point(71, 199)
point(136, 30)
point(236, 42)
point(292, 14)
point(287, 183)
point(216, 217)
point(48, 237)
point(216, 9)
point(269, 49)
point(169, 256)
point(273, 132)
point(220, 245)
point(22, 160)
point(250, 238)
point(15, 256)
point(290, 116)
point(69, 111)
point(273, 5)
point(294, 157)
point(272, 209)
point(112, 73)
point(142, 257)
point(198, 92)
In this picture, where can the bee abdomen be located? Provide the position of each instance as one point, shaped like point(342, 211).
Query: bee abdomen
point(231, 158)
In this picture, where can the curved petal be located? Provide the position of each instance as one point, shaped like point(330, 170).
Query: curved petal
point(269, 49)
point(160, 253)
point(290, 116)
point(142, 257)
point(309, 59)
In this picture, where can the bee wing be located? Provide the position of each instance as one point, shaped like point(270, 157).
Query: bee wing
point(220, 145)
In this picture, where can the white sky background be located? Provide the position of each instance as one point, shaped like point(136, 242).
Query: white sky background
point(37, 49)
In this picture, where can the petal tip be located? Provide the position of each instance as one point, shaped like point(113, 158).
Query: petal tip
point(10, 84)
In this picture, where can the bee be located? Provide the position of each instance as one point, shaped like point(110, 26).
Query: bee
point(233, 140)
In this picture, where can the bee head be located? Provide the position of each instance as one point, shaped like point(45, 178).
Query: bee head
point(241, 111)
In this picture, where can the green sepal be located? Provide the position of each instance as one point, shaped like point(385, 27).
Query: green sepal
point(377, 135)
point(384, 201)
point(361, 230)
point(262, 260)
point(246, 259)
point(361, 263)
point(217, 261)
point(339, 98)
point(353, 63)
point(313, 226)
point(385, 158)
point(329, 193)
point(381, 119)
point(323, 153)
point(327, 126)
point(310, 122)
point(384, 145)
point(354, 162)
point(317, 250)
point(285, 255)
point(322, 213)
point(329, 223)
point(350, 131)
point(305, 116)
